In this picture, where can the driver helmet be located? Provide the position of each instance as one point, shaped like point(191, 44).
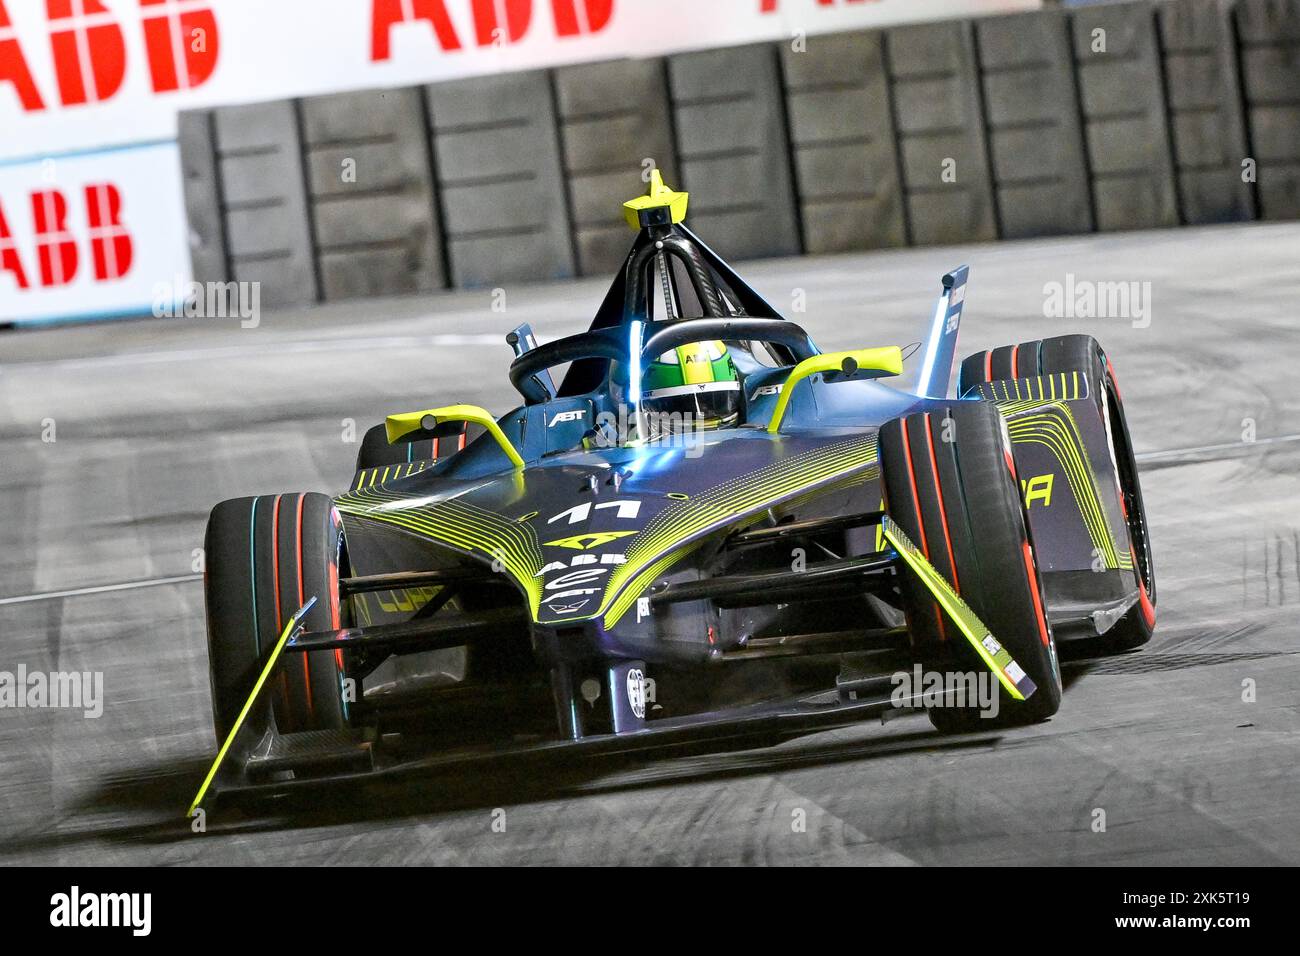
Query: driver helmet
point(695, 386)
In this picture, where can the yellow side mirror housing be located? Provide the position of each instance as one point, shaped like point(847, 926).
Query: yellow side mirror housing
point(414, 426)
point(853, 364)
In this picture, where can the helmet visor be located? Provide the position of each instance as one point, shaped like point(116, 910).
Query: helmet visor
point(682, 408)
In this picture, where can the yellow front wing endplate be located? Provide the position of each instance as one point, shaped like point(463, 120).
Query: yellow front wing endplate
point(289, 629)
point(999, 660)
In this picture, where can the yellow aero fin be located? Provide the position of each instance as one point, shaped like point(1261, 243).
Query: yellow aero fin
point(996, 657)
point(404, 424)
point(289, 629)
point(659, 206)
point(857, 363)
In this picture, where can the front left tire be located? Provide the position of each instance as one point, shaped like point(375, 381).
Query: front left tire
point(266, 556)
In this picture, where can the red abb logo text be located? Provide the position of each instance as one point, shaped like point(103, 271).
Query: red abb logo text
point(89, 52)
point(495, 21)
point(57, 254)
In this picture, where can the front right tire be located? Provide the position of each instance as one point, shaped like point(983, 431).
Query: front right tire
point(950, 484)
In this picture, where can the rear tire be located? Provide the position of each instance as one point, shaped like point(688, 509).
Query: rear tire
point(266, 557)
point(949, 483)
point(1083, 354)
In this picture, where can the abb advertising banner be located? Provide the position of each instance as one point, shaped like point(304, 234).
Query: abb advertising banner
point(91, 210)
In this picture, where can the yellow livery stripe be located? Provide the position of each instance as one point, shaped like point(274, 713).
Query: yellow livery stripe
point(991, 651)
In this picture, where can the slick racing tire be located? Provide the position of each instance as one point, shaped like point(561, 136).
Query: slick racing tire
point(266, 557)
point(950, 484)
point(1082, 354)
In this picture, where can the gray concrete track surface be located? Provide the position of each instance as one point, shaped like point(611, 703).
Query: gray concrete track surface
point(155, 421)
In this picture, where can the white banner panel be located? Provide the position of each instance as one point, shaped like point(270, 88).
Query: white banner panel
point(76, 74)
point(91, 236)
point(78, 77)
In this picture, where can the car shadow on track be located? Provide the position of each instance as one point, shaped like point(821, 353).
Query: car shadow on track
point(146, 806)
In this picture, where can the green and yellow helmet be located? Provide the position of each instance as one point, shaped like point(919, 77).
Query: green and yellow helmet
point(694, 386)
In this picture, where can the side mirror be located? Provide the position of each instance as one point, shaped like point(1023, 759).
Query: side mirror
point(839, 367)
point(522, 341)
point(437, 422)
point(426, 427)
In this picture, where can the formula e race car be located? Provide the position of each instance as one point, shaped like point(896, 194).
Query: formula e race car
point(708, 529)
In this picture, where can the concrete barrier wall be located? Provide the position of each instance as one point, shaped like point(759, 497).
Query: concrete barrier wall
point(941, 140)
point(497, 161)
point(729, 112)
point(1121, 116)
point(1121, 89)
point(615, 125)
point(842, 139)
point(1269, 33)
point(268, 236)
point(371, 187)
point(1031, 110)
point(201, 177)
point(1205, 112)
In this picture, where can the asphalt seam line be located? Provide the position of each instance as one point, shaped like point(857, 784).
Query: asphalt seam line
point(100, 589)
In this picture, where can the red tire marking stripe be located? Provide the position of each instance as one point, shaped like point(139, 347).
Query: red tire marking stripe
point(920, 522)
point(988, 365)
point(298, 519)
point(1144, 600)
point(916, 498)
point(943, 512)
point(336, 610)
point(1148, 609)
point(1113, 383)
point(302, 599)
point(1015, 361)
point(1029, 565)
point(1033, 589)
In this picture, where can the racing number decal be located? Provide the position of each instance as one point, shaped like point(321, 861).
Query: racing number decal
point(572, 591)
point(626, 509)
